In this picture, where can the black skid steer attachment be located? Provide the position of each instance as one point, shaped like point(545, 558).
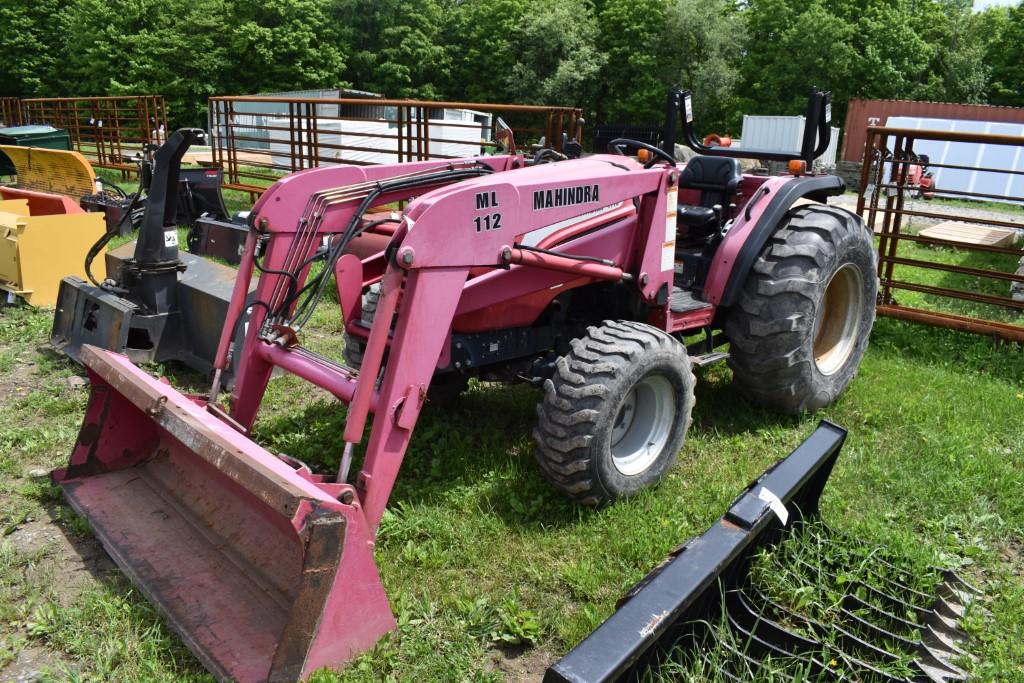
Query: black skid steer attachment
point(706, 610)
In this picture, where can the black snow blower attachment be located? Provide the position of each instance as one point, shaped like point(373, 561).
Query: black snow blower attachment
point(755, 598)
point(157, 303)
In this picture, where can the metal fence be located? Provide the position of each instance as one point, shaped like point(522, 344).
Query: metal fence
point(105, 130)
point(257, 139)
point(954, 262)
point(10, 112)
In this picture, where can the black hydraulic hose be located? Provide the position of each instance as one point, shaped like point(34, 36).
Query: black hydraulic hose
point(306, 308)
point(315, 288)
point(120, 192)
point(95, 249)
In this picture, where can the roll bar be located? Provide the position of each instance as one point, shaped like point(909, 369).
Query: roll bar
point(816, 125)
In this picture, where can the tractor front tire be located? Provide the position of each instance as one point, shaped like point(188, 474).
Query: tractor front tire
point(355, 346)
point(615, 414)
point(445, 388)
point(801, 325)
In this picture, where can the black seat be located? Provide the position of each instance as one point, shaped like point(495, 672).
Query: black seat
point(717, 178)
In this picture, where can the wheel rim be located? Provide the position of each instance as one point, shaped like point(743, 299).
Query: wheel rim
point(837, 324)
point(642, 426)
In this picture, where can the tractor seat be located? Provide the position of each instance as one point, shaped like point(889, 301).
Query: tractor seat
point(717, 178)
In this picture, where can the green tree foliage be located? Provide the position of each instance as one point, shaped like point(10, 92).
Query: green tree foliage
point(615, 58)
point(558, 60)
point(396, 46)
point(29, 34)
point(704, 43)
point(903, 49)
point(122, 47)
point(282, 45)
point(1004, 52)
point(632, 87)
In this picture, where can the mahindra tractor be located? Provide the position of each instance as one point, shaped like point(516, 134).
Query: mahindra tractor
point(602, 280)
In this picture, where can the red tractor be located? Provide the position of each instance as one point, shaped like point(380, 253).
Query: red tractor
point(603, 280)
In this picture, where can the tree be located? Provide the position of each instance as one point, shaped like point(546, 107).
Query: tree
point(481, 47)
point(30, 42)
point(396, 46)
point(559, 62)
point(281, 45)
point(146, 47)
point(1005, 54)
point(632, 88)
point(704, 42)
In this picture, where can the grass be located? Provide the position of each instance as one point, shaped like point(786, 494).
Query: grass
point(483, 561)
point(480, 556)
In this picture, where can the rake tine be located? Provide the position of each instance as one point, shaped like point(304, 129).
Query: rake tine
point(938, 641)
point(943, 625)
point(957, 582)
point(937, 671)
point(894, 622)
point(876, 631)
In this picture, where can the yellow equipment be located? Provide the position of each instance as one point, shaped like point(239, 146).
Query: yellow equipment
point(51, 170)
point(39, 247)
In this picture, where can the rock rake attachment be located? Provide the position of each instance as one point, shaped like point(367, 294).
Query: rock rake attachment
point(715, 605)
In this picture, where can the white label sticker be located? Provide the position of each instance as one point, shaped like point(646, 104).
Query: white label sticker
point(688, 107)
point(671, 214)
point(668, 256)
point(828, 112)
point(775, 503)
point(171, 238)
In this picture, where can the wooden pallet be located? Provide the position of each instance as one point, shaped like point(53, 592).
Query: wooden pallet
point(967, 233)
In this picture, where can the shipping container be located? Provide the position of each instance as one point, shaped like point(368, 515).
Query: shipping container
point(781, 134)
point(941, 152)
point(864, 113)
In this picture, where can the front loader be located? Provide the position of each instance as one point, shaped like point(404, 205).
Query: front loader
point(579, 276)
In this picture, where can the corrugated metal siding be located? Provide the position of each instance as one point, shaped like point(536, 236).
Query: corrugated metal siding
point(781, 134)
point(864, 113)
point(968, 154)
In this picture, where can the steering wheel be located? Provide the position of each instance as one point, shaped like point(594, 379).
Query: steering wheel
point(618, 144)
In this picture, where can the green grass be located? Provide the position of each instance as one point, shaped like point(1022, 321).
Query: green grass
point(941, 203)
point(479, 555)
point(1001, 263)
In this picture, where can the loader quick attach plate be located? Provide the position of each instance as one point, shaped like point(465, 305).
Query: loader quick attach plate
point(732, 604)
point(259, 568)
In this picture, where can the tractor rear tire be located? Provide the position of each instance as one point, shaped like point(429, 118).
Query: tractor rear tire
point(444, 389)
point(801, 325)
point(615, 414)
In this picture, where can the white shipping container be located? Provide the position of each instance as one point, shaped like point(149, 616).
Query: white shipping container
point(782, 134)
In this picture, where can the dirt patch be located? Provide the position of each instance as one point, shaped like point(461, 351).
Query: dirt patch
point(20, 379)
point(520, 665)
point(30, 665)
point(1013, 556)
point(71, 562)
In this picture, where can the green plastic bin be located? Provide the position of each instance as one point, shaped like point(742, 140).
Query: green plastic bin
point(47, 137)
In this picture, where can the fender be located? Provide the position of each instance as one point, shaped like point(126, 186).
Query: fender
point(817, 188)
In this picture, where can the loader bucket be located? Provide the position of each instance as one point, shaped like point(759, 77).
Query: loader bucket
point(702, 601)
point(265, 575)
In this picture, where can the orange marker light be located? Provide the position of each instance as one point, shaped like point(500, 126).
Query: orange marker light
point(797, 167)
point(643, 155)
